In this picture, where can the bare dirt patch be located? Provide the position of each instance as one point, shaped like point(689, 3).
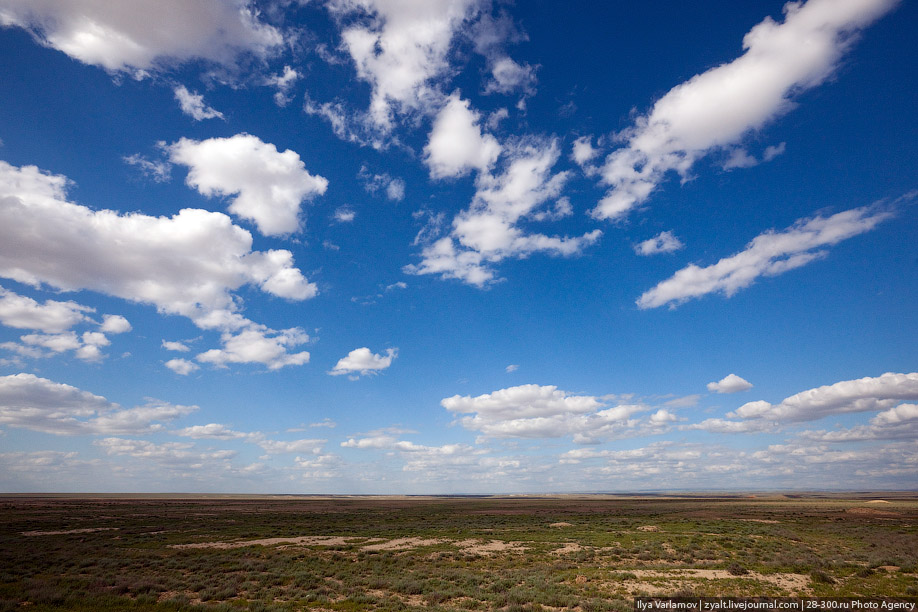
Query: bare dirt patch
point(69, 531)
point(788, 582)
point(873, 512)
point(488, 548)
point(561, 524)
point(295, 540)
point(402, 544)
point(568, 547)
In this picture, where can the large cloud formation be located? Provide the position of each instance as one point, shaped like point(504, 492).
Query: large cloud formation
point(189, 264)
point(716, 109)
point(144, 35)
point(269, 186)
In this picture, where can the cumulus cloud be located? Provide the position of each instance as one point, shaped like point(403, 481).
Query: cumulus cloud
point(488, 232)
point(182, 367)
point(258, 344)
point(344, 215)
point(51, 316)
point(269, 186)
point(896, 423)
point(179, 347)
point(664, 242)
point(211, 431)
point(192, 104)
point(39, 404)
point(583, 151)
point(53, 319)
point(717, 108)
point(860, 395)
point(456, 143)
point(115, 324)
point(188, 264)
point(279, 447)
point(534, 411)
point(434, 461)
point(399, 49)
point(169, 455)
point(144, 35)
point(769, 254)
point(363, 361)
point(731, 383)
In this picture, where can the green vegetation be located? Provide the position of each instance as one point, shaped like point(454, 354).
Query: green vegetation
point(510, 554)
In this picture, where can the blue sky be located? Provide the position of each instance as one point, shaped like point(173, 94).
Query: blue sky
point(457, 246)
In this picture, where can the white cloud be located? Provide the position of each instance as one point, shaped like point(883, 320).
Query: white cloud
point(727, 426)
point(39, 404)
point(269, 186)
point(511, 368)
point(284, 83)
point(192, 104)
point(399, 49)
point(279, 447)
point(182, 366)
point(487, 232)
point(363, 361)
point(456, 143)
point(900, 422)
point(179, 347)
point(731, 383)
point(344, 215)
point(583, 151)
point(53, 319)
point(435, 461)
point(508, 76)
point(211, 431)
point(217, 431)
point(52, 316)
point(115, 324)
point(860, 395)
point(719, 107)
point(394, 188)
point(664, 242)
point(189, 264)
point(533, 411)
point(769, 254)
point(157, 171)
point(258, 344)
point(169, 454)
point(740, 158)
point(144, 35)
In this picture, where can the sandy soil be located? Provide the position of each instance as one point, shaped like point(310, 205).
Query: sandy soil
point(69, 531)
point(302, 541)
point(789, 582)
point(402, 544)
point(488, 548)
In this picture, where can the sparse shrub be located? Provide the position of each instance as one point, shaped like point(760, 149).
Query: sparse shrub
point(818, 575)
point(737, 570)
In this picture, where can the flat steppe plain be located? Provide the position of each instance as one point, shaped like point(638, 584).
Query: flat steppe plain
point(557, 552)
